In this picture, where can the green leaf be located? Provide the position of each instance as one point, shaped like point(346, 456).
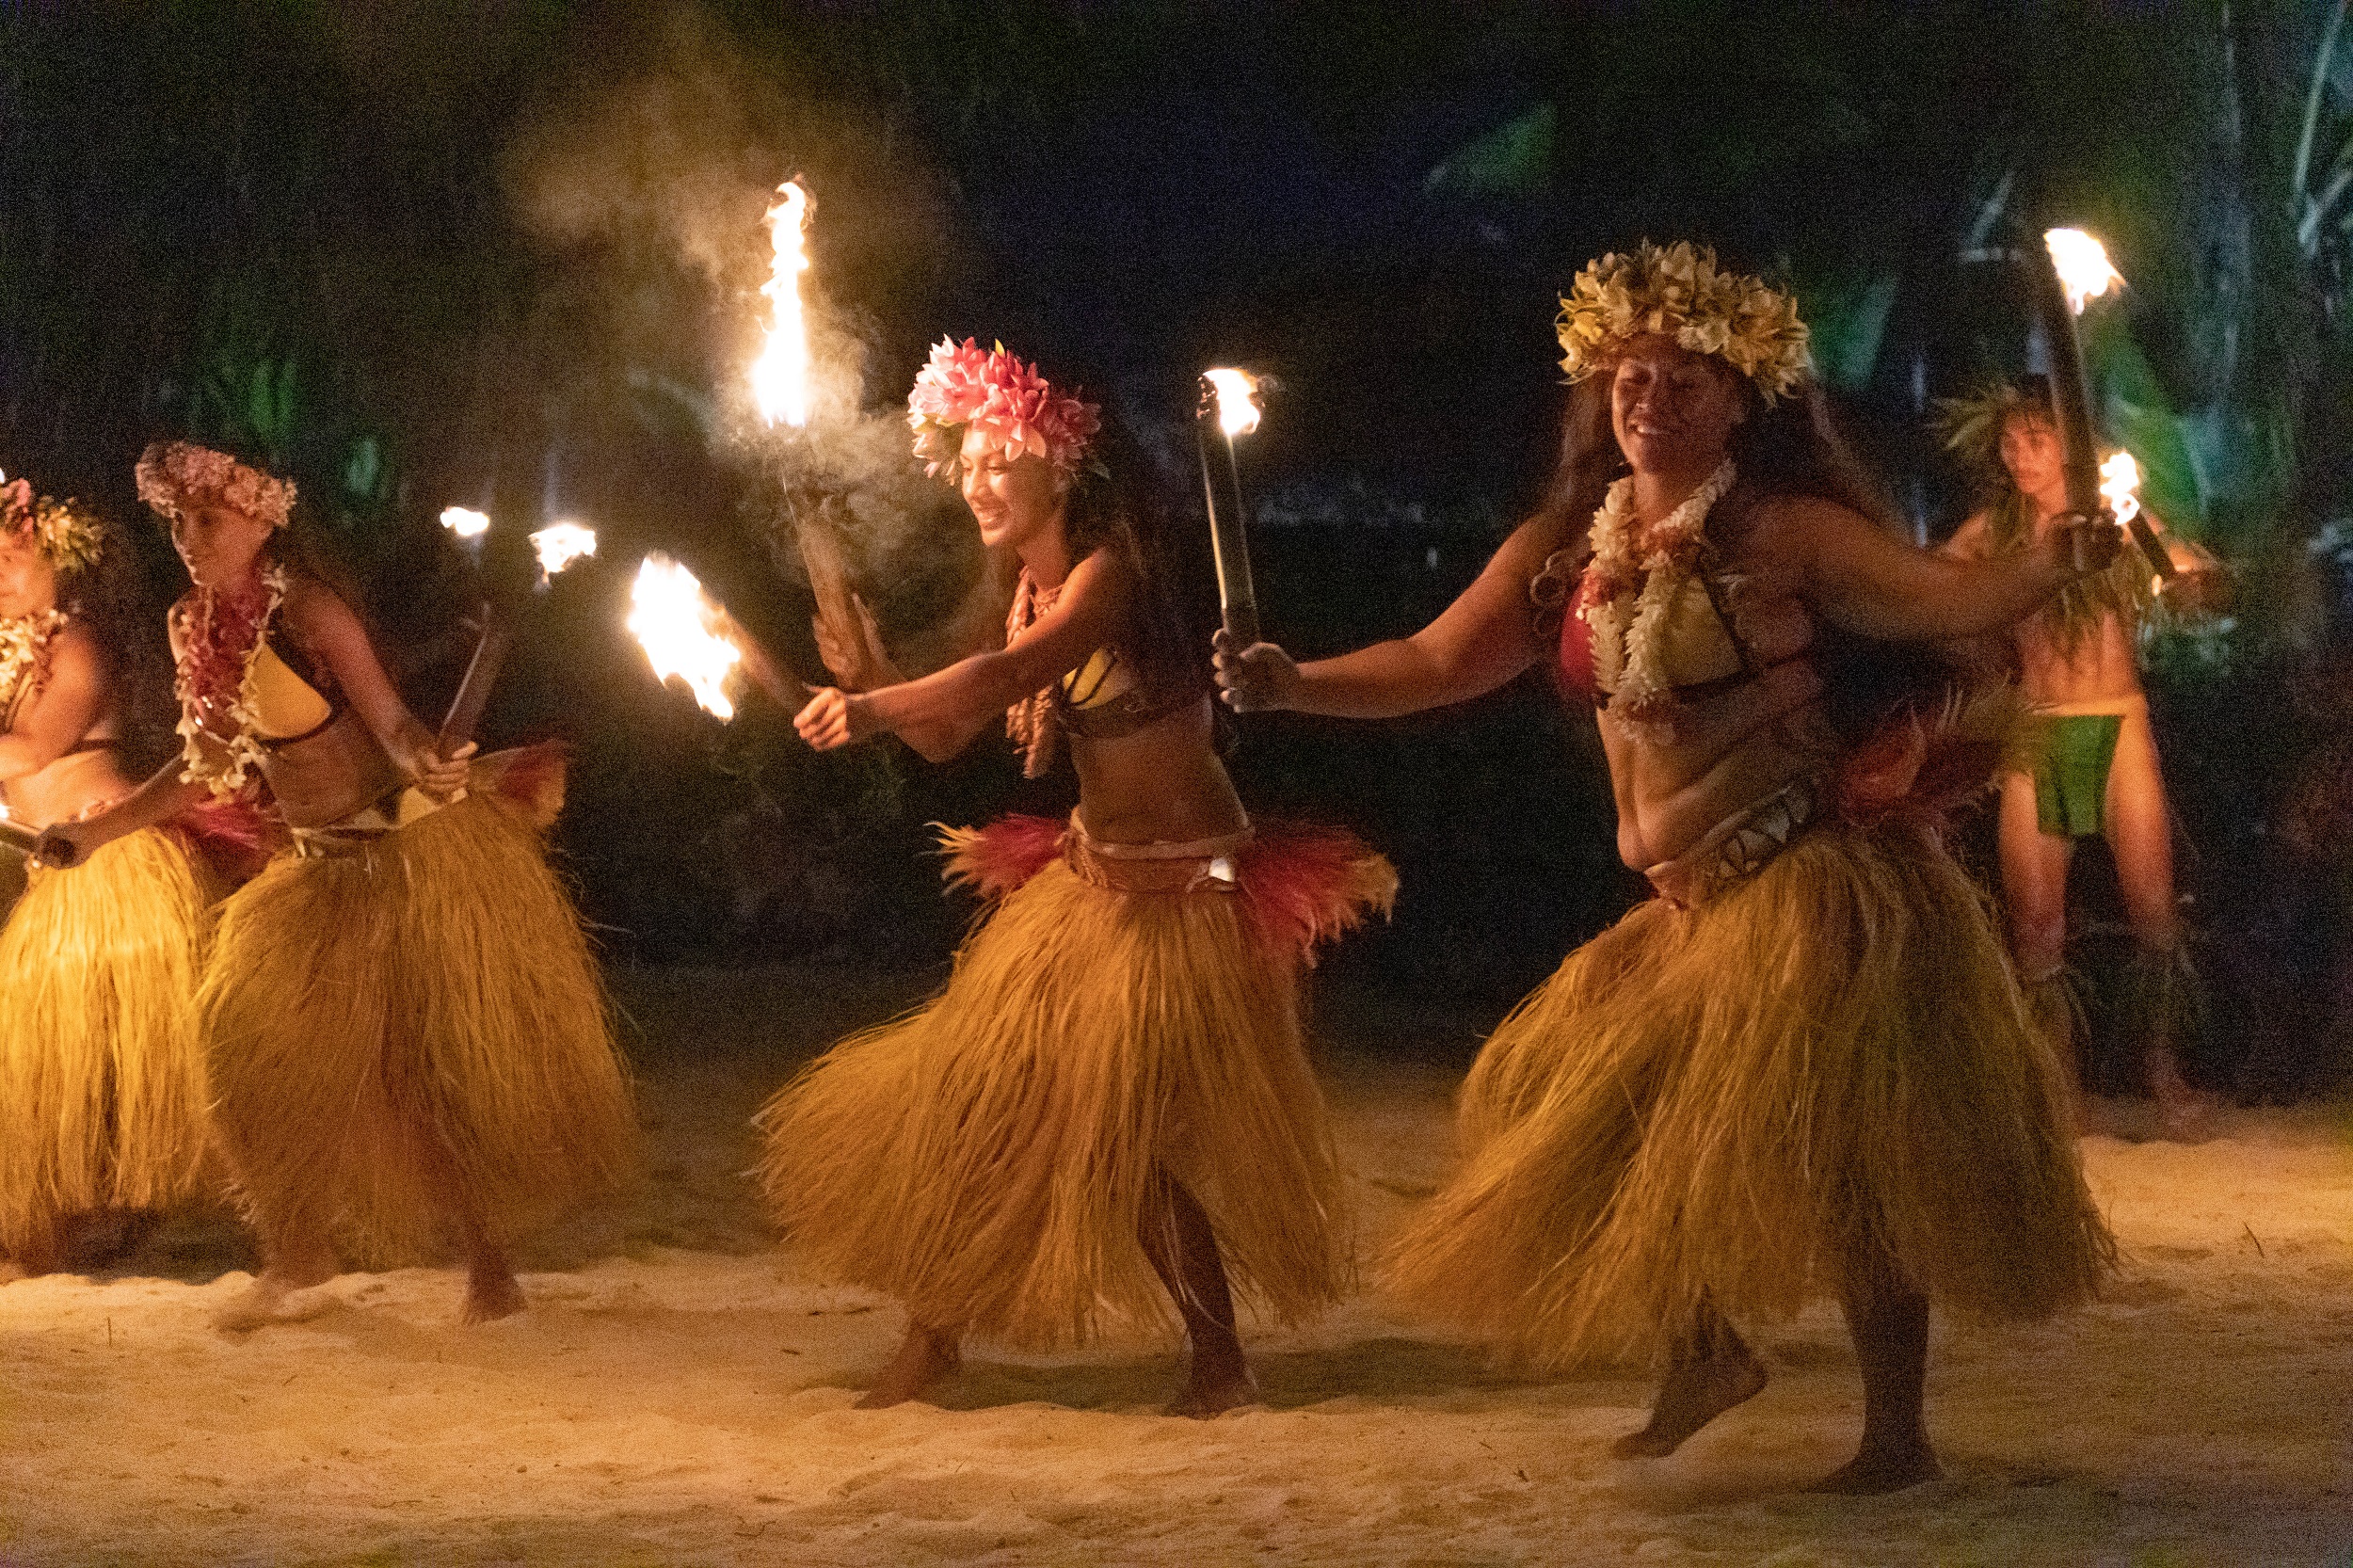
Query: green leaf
point(1514, 159)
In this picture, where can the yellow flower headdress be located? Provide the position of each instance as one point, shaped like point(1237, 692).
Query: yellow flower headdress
point(70, 537)
point(1678, 290)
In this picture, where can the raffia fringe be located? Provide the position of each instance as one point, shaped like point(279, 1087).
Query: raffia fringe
point(987, 1159)
point(102, 1085)
point(1828, 1067)
point(419, 1020)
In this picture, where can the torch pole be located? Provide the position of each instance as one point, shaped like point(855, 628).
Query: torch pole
point(2070, 397)
point(1229, 545)
point(482, 673)
point(2071, 406)
point(16, 837)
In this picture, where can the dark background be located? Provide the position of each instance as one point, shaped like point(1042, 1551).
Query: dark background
point(507, 254)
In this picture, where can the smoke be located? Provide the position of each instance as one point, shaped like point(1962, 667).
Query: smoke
point(654, 166)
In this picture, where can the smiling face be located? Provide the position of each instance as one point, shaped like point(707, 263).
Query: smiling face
point(2032, 454)
point(28, 584)
point(1012, 498)
point(218, 544)
point(1673, 409)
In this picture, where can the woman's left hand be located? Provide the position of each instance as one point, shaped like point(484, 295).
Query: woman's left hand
point(833, 718)
point(443, 777)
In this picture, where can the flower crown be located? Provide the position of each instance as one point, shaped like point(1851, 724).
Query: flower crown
point(174, 476)
point(1679, 291)
point(1021, 409)
point(60, 530)
point(1973, 425)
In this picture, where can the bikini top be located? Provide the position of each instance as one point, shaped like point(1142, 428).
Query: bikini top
point(1102, 700)
point(295, 696)
point(1701, 649)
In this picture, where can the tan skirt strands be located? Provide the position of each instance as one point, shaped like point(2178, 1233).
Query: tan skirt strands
point(409, 1022)
point(1827, 1066)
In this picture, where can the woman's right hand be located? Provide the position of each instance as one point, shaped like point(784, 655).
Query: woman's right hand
point(66, 844)
point(1256, 679)
point(832, 718)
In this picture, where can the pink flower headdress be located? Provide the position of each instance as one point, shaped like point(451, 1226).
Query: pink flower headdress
point(173, 475)
point(1010, 400)
point(61, 530)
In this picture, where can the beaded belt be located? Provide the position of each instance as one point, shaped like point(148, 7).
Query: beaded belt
point(1202, 865)
point(1739, 846)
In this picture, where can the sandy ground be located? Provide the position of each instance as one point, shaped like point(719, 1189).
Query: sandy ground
point(679, 1392)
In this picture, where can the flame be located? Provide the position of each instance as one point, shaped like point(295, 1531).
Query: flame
point(1237, 400)
point(2119, 486)
point(464, 522)
point(672, 619)
point(780, 376)
point(559, 544)
point(2082, 263)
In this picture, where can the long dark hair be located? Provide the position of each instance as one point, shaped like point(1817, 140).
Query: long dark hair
point(1118, 507)
point(109, 597)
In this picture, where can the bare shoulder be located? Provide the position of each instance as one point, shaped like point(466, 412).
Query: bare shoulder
point(1795, 529)
point(314, 610)
point(1971, 541)
point(75, 650)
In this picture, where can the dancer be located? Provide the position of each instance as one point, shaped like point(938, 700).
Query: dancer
point(1108, 1110)
point(102, 1083)
point(1804, 1065)
point(406, 1039)
point(2088, 767)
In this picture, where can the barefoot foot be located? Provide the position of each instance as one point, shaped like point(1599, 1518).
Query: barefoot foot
point(489, 1296)
point(1214, 1390)
point(268, 1300)
point(923, 1358)
point(1692, 1394)
point(1881, 1467)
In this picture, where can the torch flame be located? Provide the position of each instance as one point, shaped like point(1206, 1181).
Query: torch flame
point(464, 522)
point(672, 619)
point(2119, 486)
point(2082, 265)
point(780, 376)
point(1237, 400)
point(559, 544)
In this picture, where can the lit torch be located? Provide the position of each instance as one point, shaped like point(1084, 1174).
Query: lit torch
point(2119, 486)
point(14, 834)
point(784, 386)
point(2077, 271)
point(676, 623)
point(1231, 396)
point(558, 545)
point(780, 376)
point(469, 528)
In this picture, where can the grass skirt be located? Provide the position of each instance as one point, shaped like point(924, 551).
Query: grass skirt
point(1827, 1067)
point(988, 1159)
point(102, 1083)
point(411, 1024)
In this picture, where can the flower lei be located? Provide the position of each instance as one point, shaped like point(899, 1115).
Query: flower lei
point(1623, 601)
point(1030, 723)
point(24, 654)
point(1680, 292)
point(1021, 409)
point(212, 677)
